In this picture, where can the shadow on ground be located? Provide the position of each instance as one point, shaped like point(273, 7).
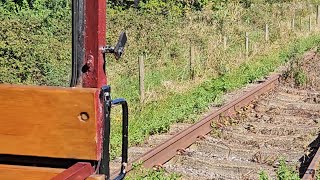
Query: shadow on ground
point(307, 158)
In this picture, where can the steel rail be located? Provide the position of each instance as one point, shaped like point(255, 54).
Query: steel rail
point(167, 150)
point(313, 166)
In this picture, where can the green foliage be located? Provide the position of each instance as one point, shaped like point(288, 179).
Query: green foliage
point(300, 78)
point(296, 73)
point(263, 175)
point(139, 172)
point(162, 7)
point(285, 172)
point(180, 7)
point(35, 48)
point(148, 174)
point(219, 4)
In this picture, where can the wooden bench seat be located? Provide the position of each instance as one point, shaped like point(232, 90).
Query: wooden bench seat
point(10, 172)
point(47, 122)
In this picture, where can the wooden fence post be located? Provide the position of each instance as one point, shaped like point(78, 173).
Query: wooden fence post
point(225, 41)
point(191, 62)
point(280, 29)
point(310, 23)
point(293, 24)
point(247, 44)
point(318, 16)
point(141, 79)
point(267, 33)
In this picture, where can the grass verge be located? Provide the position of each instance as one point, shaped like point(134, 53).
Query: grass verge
point(156, 117)
point(147, 174)
point(285, 172)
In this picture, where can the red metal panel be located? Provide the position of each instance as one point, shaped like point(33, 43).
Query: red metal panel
point(95, 40)
point(79, 171)
point(100, 129)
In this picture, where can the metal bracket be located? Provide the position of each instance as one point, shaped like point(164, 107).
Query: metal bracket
point(124, 155)
point(105, 97)
point(118, 50)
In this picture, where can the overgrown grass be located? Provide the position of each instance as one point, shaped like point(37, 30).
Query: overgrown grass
point(263, 175)
point(142, 173)
point(300, 77)
point(296, 73)
point(156, 117)
point(285, 172)
point(165, 42)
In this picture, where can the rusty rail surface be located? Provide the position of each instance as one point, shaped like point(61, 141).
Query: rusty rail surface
point(167, 150)
point(313, 166)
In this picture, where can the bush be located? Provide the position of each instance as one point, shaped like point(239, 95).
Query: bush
point(35, 42)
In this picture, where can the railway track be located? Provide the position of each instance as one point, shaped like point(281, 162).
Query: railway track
point(270, 121)
point(279, 125)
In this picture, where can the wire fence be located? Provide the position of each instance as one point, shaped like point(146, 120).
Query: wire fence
point(210, 58)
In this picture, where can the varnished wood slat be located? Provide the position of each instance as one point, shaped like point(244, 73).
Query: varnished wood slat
point(28, 173)
point(44, 121)
point(9, 172)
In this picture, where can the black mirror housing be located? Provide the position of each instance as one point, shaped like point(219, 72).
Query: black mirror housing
point(118, 50)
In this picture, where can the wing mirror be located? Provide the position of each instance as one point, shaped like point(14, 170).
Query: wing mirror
point(118, 50)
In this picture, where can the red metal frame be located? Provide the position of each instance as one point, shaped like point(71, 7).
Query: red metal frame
point(95, 40)
point(79, 171)
point(94, 77)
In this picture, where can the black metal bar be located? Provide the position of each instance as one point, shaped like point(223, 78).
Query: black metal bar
point(125, 118)
point(107, 104)
point(106, 99)
point(78, 47)
point(21, 160)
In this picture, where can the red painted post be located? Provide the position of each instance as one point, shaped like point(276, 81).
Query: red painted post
point(95, 40)
point(93, 70)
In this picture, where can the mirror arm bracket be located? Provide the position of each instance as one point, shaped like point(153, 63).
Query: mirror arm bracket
point(108, 49)
point(118, 50)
